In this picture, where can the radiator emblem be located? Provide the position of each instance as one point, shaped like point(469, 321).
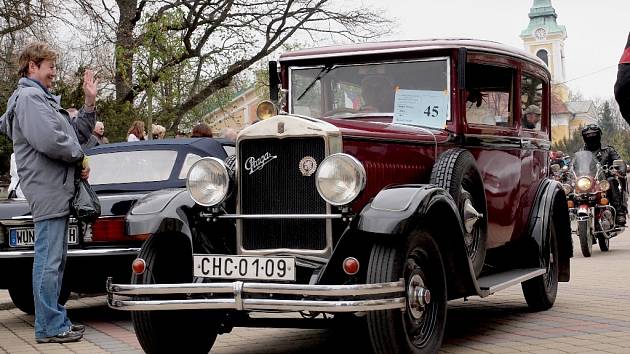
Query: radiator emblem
point(252, 164)
point(308, 165)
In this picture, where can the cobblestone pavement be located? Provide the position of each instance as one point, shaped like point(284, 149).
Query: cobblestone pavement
point(591, 315)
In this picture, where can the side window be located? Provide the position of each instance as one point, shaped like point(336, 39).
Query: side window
point(489, 95)
point(531, 101)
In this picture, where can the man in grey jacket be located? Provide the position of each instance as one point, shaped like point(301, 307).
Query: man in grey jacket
point(47, 151)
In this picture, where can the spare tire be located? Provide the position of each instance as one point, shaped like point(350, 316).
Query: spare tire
point(456, 171)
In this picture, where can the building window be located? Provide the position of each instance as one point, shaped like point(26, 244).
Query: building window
point(542, 54)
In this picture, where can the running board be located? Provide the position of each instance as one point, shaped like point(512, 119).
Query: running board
point(492, 283)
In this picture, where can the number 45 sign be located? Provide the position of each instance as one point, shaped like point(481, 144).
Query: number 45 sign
point(422, 108)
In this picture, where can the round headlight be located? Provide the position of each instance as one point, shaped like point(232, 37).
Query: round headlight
point(266, 110)
point(567, 188)
point(604, 185)
point(340, 178)
point(208, 181)
point(583, 184)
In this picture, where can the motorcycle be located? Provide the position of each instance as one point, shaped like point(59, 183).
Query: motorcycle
point(588, 201)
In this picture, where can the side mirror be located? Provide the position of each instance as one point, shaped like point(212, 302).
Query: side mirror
point(274, 81)
point(620, 165)
point(555, 168)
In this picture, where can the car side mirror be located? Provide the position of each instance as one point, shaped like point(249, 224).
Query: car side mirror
point(620, 165)
point(555, 168)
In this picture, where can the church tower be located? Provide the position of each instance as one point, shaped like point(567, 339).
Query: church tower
point(544, 38)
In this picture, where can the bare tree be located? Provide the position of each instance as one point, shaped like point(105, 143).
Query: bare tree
point(213, 40)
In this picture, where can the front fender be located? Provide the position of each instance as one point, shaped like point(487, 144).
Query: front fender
point(397, 210)
point(160, 211)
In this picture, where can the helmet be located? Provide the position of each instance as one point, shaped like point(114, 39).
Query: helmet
point(592, 135)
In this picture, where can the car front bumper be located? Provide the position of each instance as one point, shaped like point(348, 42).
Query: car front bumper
point(248, 296)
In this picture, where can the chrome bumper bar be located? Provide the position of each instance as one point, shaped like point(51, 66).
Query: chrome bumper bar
point(240, 295)
point(77, 252)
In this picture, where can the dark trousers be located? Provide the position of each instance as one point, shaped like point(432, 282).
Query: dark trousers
point(616, 196)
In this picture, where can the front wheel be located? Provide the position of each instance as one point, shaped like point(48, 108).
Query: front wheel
point(420, 328)
point(584, 234)
point(169, 261)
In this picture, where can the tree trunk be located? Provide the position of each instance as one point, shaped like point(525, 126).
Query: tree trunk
point(125, 48)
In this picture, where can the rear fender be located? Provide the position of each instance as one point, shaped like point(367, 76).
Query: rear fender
point(551, 198)
point(398, 210)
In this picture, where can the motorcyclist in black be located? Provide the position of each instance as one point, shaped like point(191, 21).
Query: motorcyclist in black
point(605, 155)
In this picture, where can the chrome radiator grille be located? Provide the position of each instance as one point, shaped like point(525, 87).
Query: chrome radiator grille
point(274, 185)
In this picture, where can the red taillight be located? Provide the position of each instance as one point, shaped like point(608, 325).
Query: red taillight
point(109, 230)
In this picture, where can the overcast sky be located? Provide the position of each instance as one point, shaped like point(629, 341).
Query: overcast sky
point(597, 30)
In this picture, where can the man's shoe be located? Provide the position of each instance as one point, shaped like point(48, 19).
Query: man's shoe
point(64, 337)
point(621, 220)
point(79, 328)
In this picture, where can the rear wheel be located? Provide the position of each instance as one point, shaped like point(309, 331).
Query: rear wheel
point(420, 328)
point(584, 234)
point(168, 260)
point(21, 293)
point(540, 292)
point(604, 243)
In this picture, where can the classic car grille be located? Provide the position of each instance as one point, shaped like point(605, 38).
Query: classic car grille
point(280, 188)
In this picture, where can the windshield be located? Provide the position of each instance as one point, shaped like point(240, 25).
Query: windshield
point(131, 166)
point(399, 89)
point(584, 164)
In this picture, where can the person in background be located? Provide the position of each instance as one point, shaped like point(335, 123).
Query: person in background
point(136, 131)
point(47, 153)
point(158, 131)
point(201, 130)
point(99, 133)
point(531, 117)
point(229, 133)
point(622, 85)
point(606, 155)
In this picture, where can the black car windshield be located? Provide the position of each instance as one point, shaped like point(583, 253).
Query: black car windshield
point(399, 89)
point(584, 164)
point(131, 166)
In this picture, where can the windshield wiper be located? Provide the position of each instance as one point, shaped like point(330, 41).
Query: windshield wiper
point(325, 70)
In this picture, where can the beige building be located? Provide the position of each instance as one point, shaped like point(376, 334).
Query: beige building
point(544, 38)
point(239, 112)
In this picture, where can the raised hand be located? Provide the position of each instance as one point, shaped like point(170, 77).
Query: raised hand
point(90, 88)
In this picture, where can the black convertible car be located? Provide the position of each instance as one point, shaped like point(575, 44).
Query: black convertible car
point(120, 174)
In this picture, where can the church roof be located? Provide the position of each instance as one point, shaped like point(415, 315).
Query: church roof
point(543, 15)
point(557, 106)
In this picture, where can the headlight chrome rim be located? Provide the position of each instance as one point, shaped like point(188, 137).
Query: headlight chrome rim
point(583, 184)
point(359, 184)
point(223, 190)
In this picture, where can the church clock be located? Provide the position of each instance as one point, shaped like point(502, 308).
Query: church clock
point(540, 33)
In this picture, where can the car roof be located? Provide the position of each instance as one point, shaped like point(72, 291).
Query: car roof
point(207, 145)
point(410, 46)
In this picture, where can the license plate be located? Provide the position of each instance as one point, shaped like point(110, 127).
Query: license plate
point(244, 267)
point(25, 236)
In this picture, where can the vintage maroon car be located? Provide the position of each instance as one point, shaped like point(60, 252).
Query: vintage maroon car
point(401, 175)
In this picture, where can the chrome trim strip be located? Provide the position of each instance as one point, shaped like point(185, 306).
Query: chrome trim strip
point(257, 288)
point(259, 304)
point(274, 216)
point(76, 252)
